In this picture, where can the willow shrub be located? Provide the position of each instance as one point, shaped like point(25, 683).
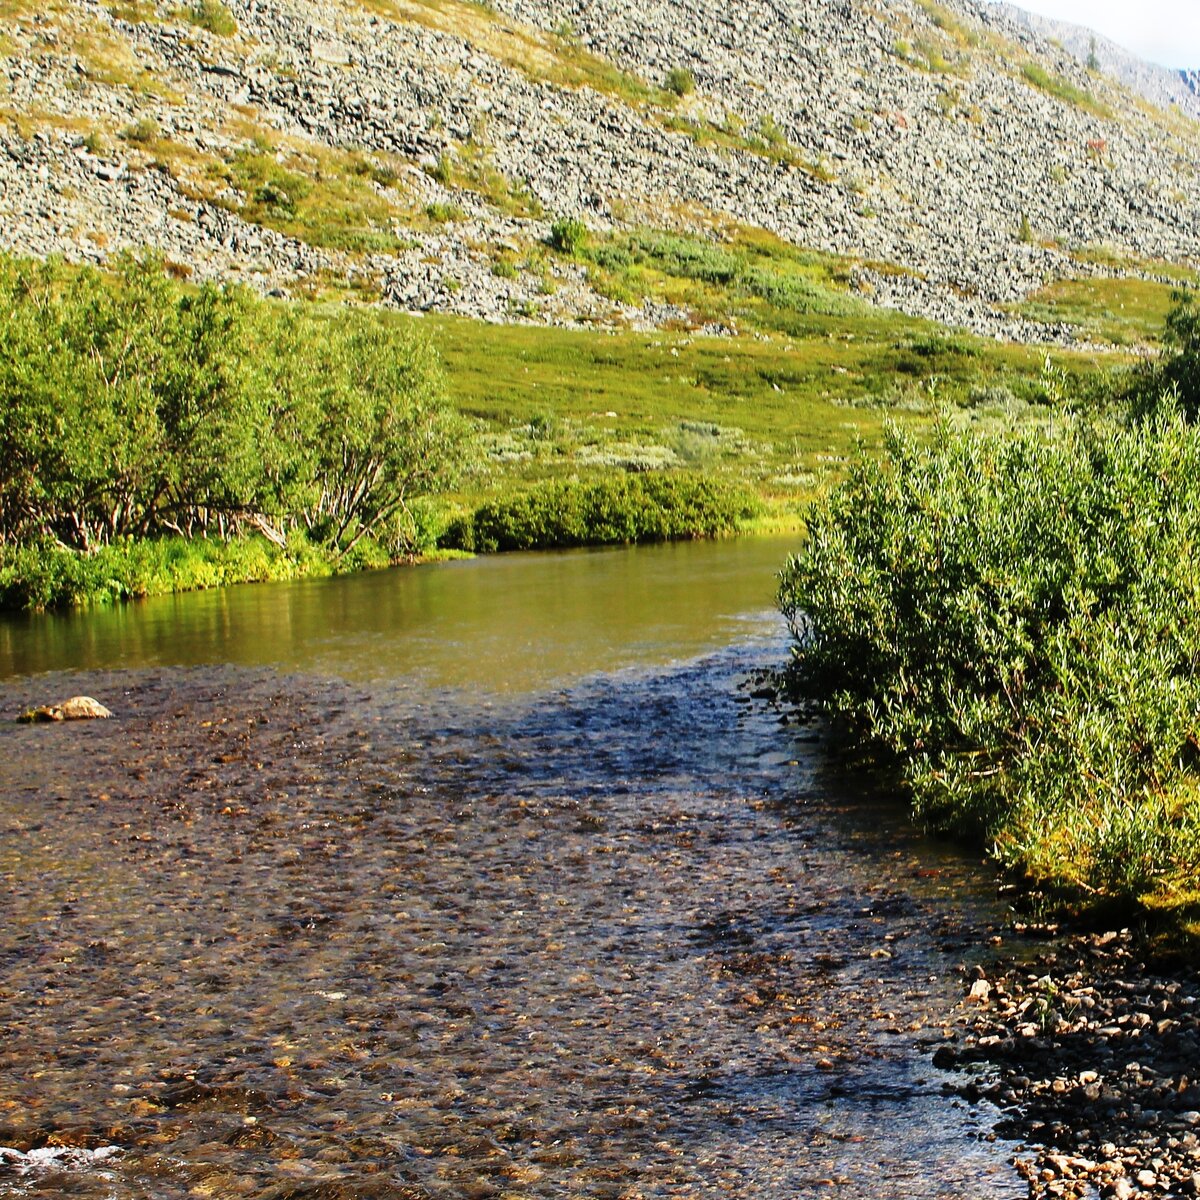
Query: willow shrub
point(132, 407)
point(627, 508)
point(1015, 622)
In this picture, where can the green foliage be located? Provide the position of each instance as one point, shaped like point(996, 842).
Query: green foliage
point(47, 575)
point(331, 201)
point(382, 434)
point(1123, 310)
point(568, 235)
point(781, 280)
point(927, 55)
point(767, 139)
point(1012, 620)
point(941, 17)
point(213, 16)
point(137, 12)
point(623, 508)
point(680, 82)
point(1063, 89)
point(799, 402)
point(383, 173)
point(441, 213)
point(1174, 379)
point(771, 131)
point(134, 408)
point(1181, 365)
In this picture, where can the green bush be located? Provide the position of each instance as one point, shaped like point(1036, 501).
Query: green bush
point(133, 408)
point(680, 81)
point(568, 235)
point(625, 509)
point(1014, 622)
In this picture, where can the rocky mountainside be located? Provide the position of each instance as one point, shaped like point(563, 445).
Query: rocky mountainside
point(418, 151)
point(1160, 85)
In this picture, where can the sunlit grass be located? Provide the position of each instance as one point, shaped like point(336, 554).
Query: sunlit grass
point(1064, 89)
point(1121, 311)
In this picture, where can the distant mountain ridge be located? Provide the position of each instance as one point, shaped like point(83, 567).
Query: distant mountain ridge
point(1160, 85)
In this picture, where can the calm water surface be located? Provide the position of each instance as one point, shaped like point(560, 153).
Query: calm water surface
point(480, 880)
point(511, 623)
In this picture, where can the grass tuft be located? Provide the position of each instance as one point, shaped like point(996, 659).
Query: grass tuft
point(213, 16)
point(1063, 89)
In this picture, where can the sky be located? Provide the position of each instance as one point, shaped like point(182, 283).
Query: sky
point(1161, 31)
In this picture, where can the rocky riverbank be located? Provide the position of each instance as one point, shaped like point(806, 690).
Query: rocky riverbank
point(1092, 1053)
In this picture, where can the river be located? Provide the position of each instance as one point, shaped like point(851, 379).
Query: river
point(481, 879)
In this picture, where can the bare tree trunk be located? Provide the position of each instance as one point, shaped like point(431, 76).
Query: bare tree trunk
point(268, 530)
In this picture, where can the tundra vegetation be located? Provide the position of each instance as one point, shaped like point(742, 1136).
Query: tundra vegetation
point(157, 435)
point(1010, 622)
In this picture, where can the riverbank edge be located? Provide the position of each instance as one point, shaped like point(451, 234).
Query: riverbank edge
point(1088, 1051)
point(36, 579)
point(40, 579)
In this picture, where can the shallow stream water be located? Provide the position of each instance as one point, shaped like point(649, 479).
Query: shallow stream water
point(486, 879)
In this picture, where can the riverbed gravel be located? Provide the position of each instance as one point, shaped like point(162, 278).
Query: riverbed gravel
point(1092, 1052)
point(286, 938)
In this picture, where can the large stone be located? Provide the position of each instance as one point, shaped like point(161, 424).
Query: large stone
point(77, 708)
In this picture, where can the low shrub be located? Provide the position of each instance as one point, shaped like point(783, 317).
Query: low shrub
point(623, 509)
point(568, 235)
point(1175, 376)
point(680, 82)
point(1014, 622)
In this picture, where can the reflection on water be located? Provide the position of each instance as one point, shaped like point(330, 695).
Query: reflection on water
point(512, 623)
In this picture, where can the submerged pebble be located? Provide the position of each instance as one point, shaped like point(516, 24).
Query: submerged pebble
point(281, 938)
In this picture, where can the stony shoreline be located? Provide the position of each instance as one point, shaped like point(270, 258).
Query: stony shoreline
point(1091, 1051)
